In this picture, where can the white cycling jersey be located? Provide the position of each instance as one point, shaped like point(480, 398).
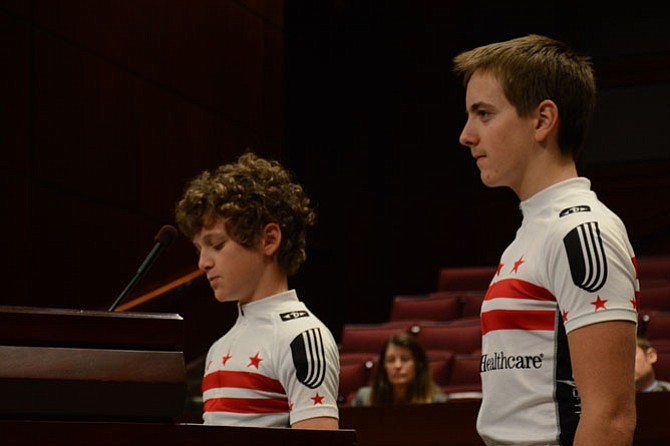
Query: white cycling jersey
point(278, 365)
point(570, 265)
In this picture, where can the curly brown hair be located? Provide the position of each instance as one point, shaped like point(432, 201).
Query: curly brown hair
point(249, 194)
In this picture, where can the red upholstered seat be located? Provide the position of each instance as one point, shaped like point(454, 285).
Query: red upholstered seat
point(353, 375)
point(662, 366)
point(471, 278)
point(464, 375)
point(440, 362)
point(471, 304)
point(657, 326)
point(366, 337)
point(425, 307)
point(653, 271)
point(655, 298)
point(463, 339)
point(358, 357)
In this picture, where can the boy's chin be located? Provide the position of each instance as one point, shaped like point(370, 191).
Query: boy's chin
point(224, 298)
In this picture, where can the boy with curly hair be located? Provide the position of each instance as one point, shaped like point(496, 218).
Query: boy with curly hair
point(278, 366)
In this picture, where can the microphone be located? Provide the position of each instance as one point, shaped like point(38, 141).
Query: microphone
point(162, 240)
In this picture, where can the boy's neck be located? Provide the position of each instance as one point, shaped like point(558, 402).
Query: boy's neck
point(271, 283)
point(545, 172)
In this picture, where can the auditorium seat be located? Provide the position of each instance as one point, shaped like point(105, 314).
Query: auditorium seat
point(471, 278)
point(455, 337)
point(464, 377)
point(653, 270)
point(657, 327)
point(410, 325)
point(471, 304)
point(642, 318)
point(662, 366)
point(440, 362)
point(353, 375)
point(435, 307)
point(470, 320)
point(357, 357)
point(655, 298)
point(367, 337)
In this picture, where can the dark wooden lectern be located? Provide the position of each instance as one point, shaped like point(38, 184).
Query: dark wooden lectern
point(89, 365)
point(93, 377)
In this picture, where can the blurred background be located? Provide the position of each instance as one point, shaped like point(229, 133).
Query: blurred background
point(107, 109)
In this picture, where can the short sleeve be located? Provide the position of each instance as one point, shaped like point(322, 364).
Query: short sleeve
point(592, 273)
point(309, 372)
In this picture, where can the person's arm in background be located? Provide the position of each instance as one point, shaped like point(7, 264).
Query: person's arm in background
point(603, 363)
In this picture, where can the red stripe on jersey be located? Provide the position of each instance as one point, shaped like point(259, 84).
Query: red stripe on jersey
point(518, 289)
point(518, 320)
point(246, 405)
point(244, 380)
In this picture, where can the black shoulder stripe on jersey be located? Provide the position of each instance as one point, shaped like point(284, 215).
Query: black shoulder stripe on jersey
point(586, 255)
point(309, 358)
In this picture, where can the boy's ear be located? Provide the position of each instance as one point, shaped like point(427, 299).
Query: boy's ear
point(271, 239)
point(547, 120)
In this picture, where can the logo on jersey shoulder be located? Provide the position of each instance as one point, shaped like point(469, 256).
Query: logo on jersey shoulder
point(309, 358)
point(574, 210)
point(293, 315)
point(586, 256)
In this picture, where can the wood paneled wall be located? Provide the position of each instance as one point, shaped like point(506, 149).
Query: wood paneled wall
point(108, 108)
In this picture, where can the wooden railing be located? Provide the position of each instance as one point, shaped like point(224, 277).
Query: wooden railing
point(454, 423)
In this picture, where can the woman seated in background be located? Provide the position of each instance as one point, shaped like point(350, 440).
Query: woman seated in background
point(403, 376)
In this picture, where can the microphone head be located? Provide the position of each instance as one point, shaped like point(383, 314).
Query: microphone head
point(166, 235)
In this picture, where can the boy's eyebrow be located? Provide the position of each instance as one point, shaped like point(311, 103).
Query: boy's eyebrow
point(205, 239)
point(476, 106)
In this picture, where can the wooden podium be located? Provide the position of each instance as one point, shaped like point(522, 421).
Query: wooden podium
point(90, 365)
point(106, 378)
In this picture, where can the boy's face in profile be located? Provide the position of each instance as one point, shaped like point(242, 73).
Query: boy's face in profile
point(233, 271)
point(499, 140)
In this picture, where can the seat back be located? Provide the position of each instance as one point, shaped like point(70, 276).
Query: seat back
point(653, 270)
point(440, 362)
point(366, 338)
point(353, 376)
point(424, 307)
point(657, 326)
point(464, 376)
point(655, 298)
point(662, 366)
point(463, 339)
point(471, 278)
point(471, 304)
